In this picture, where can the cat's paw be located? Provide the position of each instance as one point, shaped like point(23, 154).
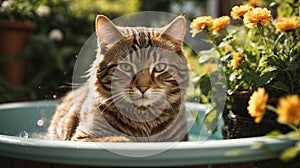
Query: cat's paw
point(107, 139)
point(118, 139)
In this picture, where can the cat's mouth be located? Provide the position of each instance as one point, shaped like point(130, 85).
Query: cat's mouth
point(142, 103)
point(146, 100)
point(142, 108)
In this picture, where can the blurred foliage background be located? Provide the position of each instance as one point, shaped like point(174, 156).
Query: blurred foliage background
point(51, 51)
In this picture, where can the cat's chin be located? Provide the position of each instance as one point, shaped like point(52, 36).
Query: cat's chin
point(142, 108)
point(141, 104)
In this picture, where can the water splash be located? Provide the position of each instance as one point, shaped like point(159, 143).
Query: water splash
point(39, 135)
point(24, 134)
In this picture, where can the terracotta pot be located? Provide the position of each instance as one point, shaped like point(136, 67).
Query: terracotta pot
point(239, 124)
point(13, 37)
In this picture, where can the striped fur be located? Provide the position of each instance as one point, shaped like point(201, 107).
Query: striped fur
point(135, 91)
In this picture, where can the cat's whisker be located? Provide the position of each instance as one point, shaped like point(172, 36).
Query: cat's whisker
point(115, 99)
point(115, 102)
point(113, 96)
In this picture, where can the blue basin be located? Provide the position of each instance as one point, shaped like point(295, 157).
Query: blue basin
point(23, 126)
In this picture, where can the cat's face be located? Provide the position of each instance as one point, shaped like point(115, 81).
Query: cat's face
point(148, 76)
point(144, 67)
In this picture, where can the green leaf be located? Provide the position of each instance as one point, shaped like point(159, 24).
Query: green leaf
point(267, 76)
point(261, 145)
point(210, 120)
point(194, 115)
point(289, 154)
point(272, 4)
point(229, 38)
point(274, 133)
point(67, 51)
point(292, 135)
point(284, 9)
point(280, 85)
point(225, 57)
point(294, 63)
point(277, 40)
point(211, 116)
point(39, 38)
point(205, 85)
point(204, 59)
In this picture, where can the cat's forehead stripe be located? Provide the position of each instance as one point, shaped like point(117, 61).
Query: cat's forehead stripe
point(142, 40)
point(136, 30)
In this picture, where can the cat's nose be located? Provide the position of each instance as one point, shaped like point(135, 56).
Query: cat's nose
point(143, 89)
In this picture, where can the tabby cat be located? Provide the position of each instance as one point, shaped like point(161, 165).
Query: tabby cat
point(135, 91)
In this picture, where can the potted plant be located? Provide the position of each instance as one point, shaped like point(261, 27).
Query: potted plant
point(258, 50)
point(16, 24)
point(287, 112)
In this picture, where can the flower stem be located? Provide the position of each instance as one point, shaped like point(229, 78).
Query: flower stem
point(294, 127)
point(271, 108)
point(213, 42)
point(232, 41)
point(263, 39)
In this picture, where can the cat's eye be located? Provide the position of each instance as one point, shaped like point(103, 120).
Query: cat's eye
point(126, 67)
point(160, 67)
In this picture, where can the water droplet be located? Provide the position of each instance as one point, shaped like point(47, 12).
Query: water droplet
point(40, 87)
point(39, 135)
point(54, 96)
point(24, 134)
point(41, 122)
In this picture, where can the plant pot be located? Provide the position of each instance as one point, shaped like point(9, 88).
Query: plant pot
point(239, 124)
point(13, 37)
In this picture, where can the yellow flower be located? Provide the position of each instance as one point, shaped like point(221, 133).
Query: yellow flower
point(236, 61)
point(257, 16)
point(285, 24)
point(209, 67)
point(219, 23)
point(288, 110)
point(238, 12)
point(199, 24)
point(228, 47)
point(257, 104)
point(254, 2)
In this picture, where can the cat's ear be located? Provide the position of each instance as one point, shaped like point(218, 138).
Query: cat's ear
point(108, 34)
point(176, 29)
